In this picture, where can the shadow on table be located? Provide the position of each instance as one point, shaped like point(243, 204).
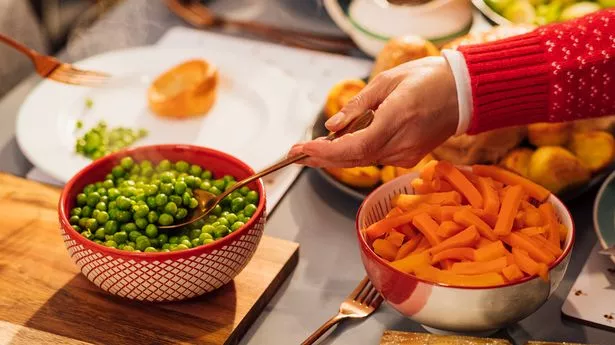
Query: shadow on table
point(13, 161)
point(82, 311)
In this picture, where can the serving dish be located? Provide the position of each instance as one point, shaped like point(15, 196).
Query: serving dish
point(604, 213)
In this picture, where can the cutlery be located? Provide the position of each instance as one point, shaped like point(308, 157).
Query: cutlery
point(361, 303)
point(51, 68)
point(207, 201)
point(201, 16)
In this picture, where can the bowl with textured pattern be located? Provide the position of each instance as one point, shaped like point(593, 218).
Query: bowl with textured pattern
point(172, 276)
point(442, 308)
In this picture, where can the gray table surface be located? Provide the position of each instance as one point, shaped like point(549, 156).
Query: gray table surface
point(312, 213)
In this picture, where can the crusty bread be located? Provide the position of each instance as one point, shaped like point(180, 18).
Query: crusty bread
point(400, 50)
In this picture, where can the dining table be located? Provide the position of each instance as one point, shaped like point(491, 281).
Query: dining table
point(312, 213)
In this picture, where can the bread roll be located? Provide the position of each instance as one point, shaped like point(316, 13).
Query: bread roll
point(402, 49)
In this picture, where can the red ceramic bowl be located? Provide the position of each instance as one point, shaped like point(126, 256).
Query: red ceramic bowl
point(172, 276)
point(443, 308)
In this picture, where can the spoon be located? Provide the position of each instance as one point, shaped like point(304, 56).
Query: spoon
point(207, 201)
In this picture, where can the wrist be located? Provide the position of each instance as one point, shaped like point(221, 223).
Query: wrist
point(461, 76)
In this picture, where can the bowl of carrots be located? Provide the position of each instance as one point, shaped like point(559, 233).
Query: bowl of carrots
point(464, 249)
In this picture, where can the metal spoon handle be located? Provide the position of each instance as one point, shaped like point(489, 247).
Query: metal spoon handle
point(358, 123)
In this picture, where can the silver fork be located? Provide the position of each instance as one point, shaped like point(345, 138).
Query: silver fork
point(362, 302)
point(51, 68)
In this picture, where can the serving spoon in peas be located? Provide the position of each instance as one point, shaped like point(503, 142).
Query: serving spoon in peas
point(208, 201)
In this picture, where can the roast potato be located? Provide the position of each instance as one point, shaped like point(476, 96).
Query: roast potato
point(518, 160)
point(557, 169)
point(606, 124)
point(549, 134)
point(402, 49)
point(362, 177)
point(341, 93)
point(594, 148)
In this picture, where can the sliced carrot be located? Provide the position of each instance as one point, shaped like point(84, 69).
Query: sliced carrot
point(496, 184)
point(460, 182)
point(410, 201)
point(533, 231)
point(490, 219)
point(429, 170)
point(541, 241)
point(385, 249)
point(543, 272)
point(396, 238)
point(407, 230)
point(563, 233)
point(459, 254)
point(447, 212)
point(510, 258)
point(519, 221)
point(441, 185)
point(470, 176)
point(471, 268)
point(534, 190)
point(447, 264)
point(466, 238)
point(548, 213)
point(435, 275)
point(483, 242)
point(532, 216)
point(449, 228)
point(421, 187)
point(525, 263)
point(394, 212)
point(491, 200)
point(512, 273)
point(490, 252)
point(384, 226)
point(410, 262)
point(467, 218)
point(428, 227)
point(516, 240)
point(422, 246)
point(508, 211)
point(408, 247)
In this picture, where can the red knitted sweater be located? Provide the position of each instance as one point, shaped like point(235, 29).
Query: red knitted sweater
point(560, 72)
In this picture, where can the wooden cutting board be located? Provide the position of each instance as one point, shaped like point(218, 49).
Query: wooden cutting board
point(44, 299)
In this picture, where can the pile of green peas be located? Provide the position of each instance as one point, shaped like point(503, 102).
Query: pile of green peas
point(125, 210)
point(100, 140)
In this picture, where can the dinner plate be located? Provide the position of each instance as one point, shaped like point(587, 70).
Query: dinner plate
point(259, 113)
point(604, 213)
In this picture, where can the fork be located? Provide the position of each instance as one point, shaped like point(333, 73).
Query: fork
point(51, 68)
point(361, 303)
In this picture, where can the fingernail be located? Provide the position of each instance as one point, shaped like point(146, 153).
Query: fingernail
point(335, 121)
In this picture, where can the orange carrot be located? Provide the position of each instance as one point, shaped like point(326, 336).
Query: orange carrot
point(533, 231)
point(428, 227)
point(433, 274)
point(394, 212)
point(429, 170)
point(467, 218)
point(441, 186)
point(396, 238)
point(490, 219)
point(447, 212)
point(410, 201)
point(552, 225)
point(512, 273)
point(408, 247)
point(519, 221)
point(466, 238)
point(446, 264)
point(461, 183)
point(525, 263)
point(510, 258)
point(510, 206)
point(490, 252)
point(410, 262)
point(407, 230)
point(422, 246)
point(483, 242)
point(385, 249)
point(421, 187)
point(449, 228)
point(516, 240)
point(534, 190)
point(384, 226)
point(496, 266)
point(541, 241)
point(543, 272)
point(563, 233)
point(532, 216)
point(491, 200)
point(459, 254)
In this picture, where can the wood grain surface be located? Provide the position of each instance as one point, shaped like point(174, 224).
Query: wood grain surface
point(45, 300)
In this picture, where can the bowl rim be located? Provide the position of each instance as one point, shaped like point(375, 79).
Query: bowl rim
point(365, 248)
point(182, 254)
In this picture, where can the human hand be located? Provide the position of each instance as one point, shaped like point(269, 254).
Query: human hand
point(416, 111)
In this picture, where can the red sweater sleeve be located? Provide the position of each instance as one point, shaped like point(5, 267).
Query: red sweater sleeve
point(559, 72)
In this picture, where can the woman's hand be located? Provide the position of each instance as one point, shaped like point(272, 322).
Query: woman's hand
point(416, 111)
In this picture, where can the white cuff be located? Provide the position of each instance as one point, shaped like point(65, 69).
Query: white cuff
point(457, 62)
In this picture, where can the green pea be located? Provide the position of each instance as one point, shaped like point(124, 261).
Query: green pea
point(181, 213)
point(128, 227)
point(150, 201)
point(195, 170)
point(104, 198)
point(102, 217)
point(147, 171)
point(152, 217)
point(165, 219)
point(121, 246)
point(208, 241)
point(231, 217)
point(230, 185)
point(164, 250)
point(120, 237)
point(205, 236)
point(151, 231)
point(170, 208)
point(215, 190)
point(163, 239)
point(221, 231)
point(101, 191)
point(154, 242)
point(150, 250)
point(216, 223)
point(117, 171)
point(101, 206)
point(131, 244)
point(75, 211)
point(186, 199)
point(206, 175)
point(166, 177)
point(91, 224)
point(87, 234)
point(176, 199)
point(161, 199)
point(100, 234)
point(211, 219)
point(237, 204)
point(113, 193)
point(194, 233)
point(196, 242)
point(128, 191)
point(207, 229)
point(167, 188)
point(141, 223)
point(74, 220)
point(223, 221)
point(95, 213)
point(108, 237)
point(82, 199)
point(187, 243)
point(108, 184)
point(142, 242)
point(89, 188)
point(197, 182)
point(249, 210)
point(220, 184)
point(164, 165)
point(174, 240)
point(129, 248)
point(252, 197)
point(111, 244)
point(166, 246)
point(179, 247)
point(244, 190)
point(182, 166)
point(205, 185)
point(180, 188)
point(242, 218)
point(77, 228)
point(93, 199)
point(86, 211)
point(190, 181)
point(217, 211)
point(133, 235)
point(135, 170)
point(123, 216)
point(235, 195)
point(83, 222)
point(123, 203)
point(237, 225)
point(193, 203)
point(140, 211)
point(127, 163)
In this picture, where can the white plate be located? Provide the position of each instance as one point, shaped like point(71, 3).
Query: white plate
point(254, 118)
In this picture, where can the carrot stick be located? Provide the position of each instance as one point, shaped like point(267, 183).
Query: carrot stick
point(447, 264)
point(512, 273)
point(447, 212)
point(396, 238)
point(491, 199)
point(422, 246)
point(385, 249)
point(510, 206)
point(466, 238)
point(428, 227)
point(563, 233)
point(441, 186)
point(496, 266)
point(460, 182)
point(534, 190)
point(409, 201)
point(548, 213)
point(519, 221)
point(394, 212)
point(435, 275)
point(421, 187)
point(467, 218)
point(384, 226)
point(408, 247)
point(516, 240)
point(429, 171)
point(483, 242)
point(490, 252)
point(533, 231)
point(541, 241)
point(410, 262)
point(543, 272)
point(407, 230)
point(459, 254)
point(449, 228)
point(525, 263)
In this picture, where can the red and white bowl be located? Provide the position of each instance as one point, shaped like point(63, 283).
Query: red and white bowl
point(173, 276)
point(444, 308)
